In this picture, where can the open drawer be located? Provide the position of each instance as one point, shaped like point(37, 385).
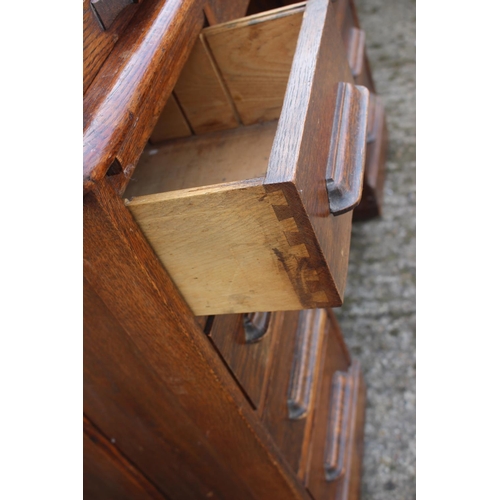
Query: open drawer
point(249, 205)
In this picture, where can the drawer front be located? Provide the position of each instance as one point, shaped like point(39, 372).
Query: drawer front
point(248, 213)
point(336, 450)
point(291, 396)
point(246, 343)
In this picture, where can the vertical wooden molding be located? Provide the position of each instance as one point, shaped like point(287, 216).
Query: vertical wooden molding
point(355, 51)
point(310, 331)
point(342, 412)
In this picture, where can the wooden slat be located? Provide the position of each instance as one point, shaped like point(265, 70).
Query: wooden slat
point(153, 381)
point(255, 56)
point(202, 95)
point(108, 474)
point(171, 124)
point(250, 363)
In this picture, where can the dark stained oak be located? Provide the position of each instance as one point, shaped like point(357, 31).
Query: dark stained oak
point(98, 43)
point(154, 383)
point(108, 474)
point(250, 363)
point(335, 455)
point(126, 97)
point(179, 406)
point(107, 11)
point(292, 435)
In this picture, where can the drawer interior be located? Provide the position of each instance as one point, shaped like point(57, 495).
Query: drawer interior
point(220, 122)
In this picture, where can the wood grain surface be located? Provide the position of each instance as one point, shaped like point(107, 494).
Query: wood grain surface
point(198, 161)
point(171, 124)
point(292, 435)
point(202, 93)
point(306, 122)
point(153, 381)
point(98, 43)
point(126, 97)
point(254, 56)
point(348, 483)
point(108, 474)
point(220, 11)
point(250, 363)
point(252, 253)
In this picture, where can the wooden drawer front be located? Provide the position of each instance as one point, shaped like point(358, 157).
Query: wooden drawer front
point(252, 211)
point(247, 354)
point(334, 470)
point(291, 396)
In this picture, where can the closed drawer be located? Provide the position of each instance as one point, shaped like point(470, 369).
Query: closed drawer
point(292, 391)
point(336, 450)
point(246, 342)
point(252, 209)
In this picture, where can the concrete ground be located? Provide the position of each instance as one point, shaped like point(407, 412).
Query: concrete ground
point(378, 317)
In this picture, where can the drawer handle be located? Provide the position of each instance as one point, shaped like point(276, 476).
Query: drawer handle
point(255, 326)
point(346, 160)
point(305, 361)
point(338, 424)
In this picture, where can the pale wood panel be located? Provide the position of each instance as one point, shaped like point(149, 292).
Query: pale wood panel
point(171, 123)
point(202, 95)
point(255, 56)
point(205, 160)
point(229, 250)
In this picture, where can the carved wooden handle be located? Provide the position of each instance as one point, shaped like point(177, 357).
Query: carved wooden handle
point(346, 160)
point(338, 422)
point(255, 325)
point(305, 361)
